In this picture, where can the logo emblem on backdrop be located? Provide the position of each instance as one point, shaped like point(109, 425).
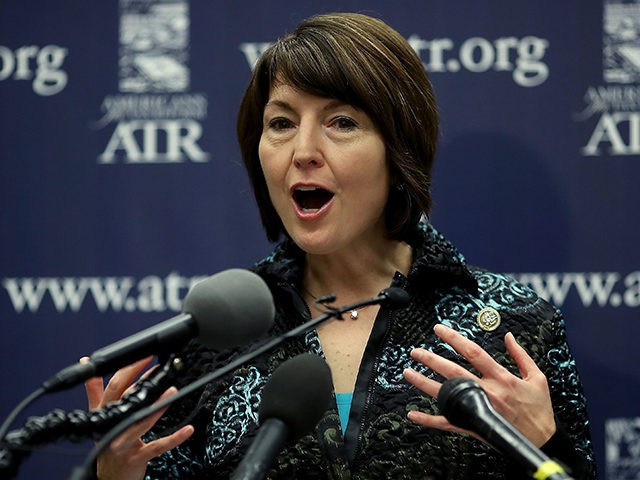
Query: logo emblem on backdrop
point(615, 107)
point(153, 47)
point(622, 447)
point(621, 42)
point(155, 118)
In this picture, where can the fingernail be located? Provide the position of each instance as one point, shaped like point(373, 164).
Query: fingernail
point(409, 373)
point(169, 392)
point(417, 353)
point(439, 328)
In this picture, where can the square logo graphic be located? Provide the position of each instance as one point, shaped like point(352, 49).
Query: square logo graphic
point(621, 42)
point(622, 448)
point(154, 41)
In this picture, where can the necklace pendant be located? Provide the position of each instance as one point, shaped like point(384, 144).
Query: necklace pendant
point(353, 314)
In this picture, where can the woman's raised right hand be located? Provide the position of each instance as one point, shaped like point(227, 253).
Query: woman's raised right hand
point(127, 456)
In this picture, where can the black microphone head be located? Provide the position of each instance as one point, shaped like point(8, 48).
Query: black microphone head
point(231, 308)
point(395, 297)
point(298, 393)
point(463, 402)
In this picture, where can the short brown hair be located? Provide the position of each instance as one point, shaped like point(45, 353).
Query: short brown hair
point(362, 61)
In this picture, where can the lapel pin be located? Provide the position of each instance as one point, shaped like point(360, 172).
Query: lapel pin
point(488, 318)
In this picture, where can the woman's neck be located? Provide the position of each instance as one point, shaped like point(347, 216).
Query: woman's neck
point(357, 274)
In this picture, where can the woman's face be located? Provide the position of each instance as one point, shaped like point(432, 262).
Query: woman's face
point(325, 166)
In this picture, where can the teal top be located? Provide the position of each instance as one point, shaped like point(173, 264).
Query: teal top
point(344, 406)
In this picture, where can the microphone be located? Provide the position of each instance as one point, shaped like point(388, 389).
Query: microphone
point(224, 310)
point(465, 404)
point(391, 297)
point(293, 401)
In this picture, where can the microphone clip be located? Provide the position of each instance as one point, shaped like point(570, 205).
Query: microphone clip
point(393, 297)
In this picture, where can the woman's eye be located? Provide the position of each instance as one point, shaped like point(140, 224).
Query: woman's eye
point(279, 123)
point(344, 123)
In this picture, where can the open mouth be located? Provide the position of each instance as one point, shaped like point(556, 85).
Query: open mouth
point(311, 199)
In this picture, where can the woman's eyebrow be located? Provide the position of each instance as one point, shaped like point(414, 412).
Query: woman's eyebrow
point(278, 103)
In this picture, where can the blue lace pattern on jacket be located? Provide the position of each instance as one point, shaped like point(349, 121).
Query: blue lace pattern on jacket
point(443, 289)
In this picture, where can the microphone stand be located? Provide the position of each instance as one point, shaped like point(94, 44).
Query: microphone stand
point(77, 425)
point(82, 472)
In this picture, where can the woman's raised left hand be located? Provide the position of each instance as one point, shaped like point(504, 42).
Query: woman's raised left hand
point(523, 401)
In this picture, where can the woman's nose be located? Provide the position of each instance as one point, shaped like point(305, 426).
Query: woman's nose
point(307, 151)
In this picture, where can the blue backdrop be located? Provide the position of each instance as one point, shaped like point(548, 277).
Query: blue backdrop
point(121, 181)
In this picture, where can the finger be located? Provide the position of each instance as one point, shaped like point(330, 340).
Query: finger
point(122, 379)
point(145, 375)
point(133, 433)
point(164, 444)
point(94, 388)
point(441, 365)
point(439, 422)
point(473, 353)
point(149, 372)
point(525, 363)
point(427, 385)
point(434, 421)
point(131, 462)
point(428, 420)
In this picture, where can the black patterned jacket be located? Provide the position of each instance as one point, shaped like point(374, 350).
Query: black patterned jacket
point(380, 443)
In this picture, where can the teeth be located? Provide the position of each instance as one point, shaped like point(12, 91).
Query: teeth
point(306, 189)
